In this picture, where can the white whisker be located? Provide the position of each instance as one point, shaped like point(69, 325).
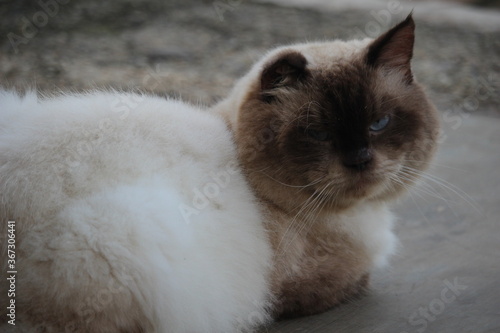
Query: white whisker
point(308, 209)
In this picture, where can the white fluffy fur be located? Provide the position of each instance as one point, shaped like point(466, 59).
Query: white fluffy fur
point(130, 210)
point(370, 226)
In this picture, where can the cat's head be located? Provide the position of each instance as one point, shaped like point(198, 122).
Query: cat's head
point(340, 121)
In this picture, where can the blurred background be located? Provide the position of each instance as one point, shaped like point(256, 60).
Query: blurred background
point(449, 228)
point(197, 48)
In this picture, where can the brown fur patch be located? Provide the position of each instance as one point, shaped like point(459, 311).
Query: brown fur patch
point(327, 270)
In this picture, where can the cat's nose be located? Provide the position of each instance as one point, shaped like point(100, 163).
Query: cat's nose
point(358, 159)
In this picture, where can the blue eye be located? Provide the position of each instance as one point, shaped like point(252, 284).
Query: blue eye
point(380, 124)
point(318, 135)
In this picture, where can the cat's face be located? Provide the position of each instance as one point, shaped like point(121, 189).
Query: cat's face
point(338, 121)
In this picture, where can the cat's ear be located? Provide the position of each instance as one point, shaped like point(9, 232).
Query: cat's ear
point(283, 71)
point(394, 49)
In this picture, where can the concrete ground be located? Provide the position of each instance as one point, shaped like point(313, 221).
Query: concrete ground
point(445, 277)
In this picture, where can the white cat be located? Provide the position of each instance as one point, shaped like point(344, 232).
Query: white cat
point(131, 215)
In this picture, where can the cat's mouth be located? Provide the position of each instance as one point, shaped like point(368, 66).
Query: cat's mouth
point(361, 186)
point(376, 185)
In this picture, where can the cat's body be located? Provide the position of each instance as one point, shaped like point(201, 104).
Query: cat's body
point(131, 216)
point(327, 135)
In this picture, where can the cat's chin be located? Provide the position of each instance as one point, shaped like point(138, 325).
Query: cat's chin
point(385, 191)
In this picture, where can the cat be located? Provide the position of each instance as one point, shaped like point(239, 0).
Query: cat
point(131, 215)
point(328, 135)
point(138, 214)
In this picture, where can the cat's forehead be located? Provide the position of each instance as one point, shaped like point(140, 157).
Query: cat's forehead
point(343, 62)
point(331, 54)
